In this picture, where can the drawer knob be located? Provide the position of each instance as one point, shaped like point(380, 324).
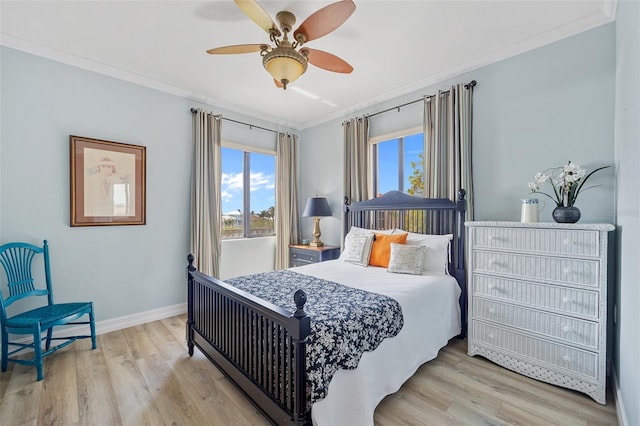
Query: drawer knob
point(490, 237)
point(491, 336)
point(566, 358)
point(492, 311)
point(566, 270)
point(566, 329)
point(565, 299)
point(492, 262)
point(566, 242)
point(490, 286)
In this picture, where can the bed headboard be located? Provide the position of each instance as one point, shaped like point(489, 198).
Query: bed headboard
point(436, 216)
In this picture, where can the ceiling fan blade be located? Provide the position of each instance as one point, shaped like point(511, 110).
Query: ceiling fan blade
point(253, 10)
point(325, 20)
point(238, 48)
point(327, 61)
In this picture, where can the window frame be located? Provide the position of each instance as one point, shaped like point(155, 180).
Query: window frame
point(246, 185)
point(399, 135)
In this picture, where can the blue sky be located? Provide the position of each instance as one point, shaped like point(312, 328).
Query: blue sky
point(262, 178)
point(263, 173)
point(388, 161)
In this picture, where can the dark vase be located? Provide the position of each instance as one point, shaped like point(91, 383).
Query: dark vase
point(566, 214)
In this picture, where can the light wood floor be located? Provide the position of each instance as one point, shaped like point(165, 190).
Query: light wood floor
point(144, 376)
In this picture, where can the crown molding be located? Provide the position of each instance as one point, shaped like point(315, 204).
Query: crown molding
point(110, 71)
point(577, 26)
point(586, 23)
point(610, 8)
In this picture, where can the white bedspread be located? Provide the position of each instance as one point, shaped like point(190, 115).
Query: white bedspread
point(431, 317)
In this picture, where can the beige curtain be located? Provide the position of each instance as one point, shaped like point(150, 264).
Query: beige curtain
point(447, 134)
point(286, 214)
point(206, 216)
point(357, 160)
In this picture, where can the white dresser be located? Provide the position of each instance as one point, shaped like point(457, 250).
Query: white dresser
point(538, 300)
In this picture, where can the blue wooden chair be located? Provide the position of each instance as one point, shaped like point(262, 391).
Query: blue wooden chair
point(16, 258)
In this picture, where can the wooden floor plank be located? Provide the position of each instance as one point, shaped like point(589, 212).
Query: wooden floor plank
point(60, 407)
point(144, 376)
point(136, 406)
point(96, 395)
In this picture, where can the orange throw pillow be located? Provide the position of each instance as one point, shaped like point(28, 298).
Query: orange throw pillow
point(381, 251)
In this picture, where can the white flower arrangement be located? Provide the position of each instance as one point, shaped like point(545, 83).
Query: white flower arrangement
point(567, 182)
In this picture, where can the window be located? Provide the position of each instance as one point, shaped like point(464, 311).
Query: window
point(248, 198)
point(399, 163)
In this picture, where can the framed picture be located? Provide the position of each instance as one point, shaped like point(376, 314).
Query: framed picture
point(108, 183)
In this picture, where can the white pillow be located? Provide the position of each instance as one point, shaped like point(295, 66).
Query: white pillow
point(356, 230)
point(406, 259)
point(359, 249)
point(437, 254)
point(359, 231)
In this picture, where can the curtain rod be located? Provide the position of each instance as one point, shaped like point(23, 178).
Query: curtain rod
point(251, 126)
point(471, 85)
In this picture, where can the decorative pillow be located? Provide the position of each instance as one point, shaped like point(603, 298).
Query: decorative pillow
point(359, 249)
point(381, 251)
point(406, 259)
point(358, 231)
point(437, 254)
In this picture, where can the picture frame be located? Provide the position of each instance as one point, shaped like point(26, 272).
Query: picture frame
point(108, 182)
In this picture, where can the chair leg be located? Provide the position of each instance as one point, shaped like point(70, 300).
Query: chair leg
point(92, 324)
point(5, 350)
point(37, 347)
point(49, 335)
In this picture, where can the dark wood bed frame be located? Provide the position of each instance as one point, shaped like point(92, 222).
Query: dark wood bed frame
point(261, 347)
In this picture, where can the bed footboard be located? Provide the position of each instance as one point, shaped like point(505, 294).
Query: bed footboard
point(260, 347)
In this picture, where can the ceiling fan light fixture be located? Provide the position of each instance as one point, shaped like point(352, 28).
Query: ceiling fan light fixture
point(285, 64)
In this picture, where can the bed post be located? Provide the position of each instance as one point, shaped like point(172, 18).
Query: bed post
point(345, 217)
point(190, 270)
point(461, 275)
point(304, 324)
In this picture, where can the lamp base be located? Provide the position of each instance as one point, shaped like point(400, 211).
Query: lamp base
point(316, 244)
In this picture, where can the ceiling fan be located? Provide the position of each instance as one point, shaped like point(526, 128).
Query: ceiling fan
point(288, 59)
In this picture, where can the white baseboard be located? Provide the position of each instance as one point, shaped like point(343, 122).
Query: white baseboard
point(622, 415)
point(119, 323)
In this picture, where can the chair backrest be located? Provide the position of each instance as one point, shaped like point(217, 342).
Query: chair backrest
point(17, 259)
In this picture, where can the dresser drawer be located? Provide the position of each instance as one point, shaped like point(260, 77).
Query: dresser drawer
point(536, 350)
point(571, 330)
point(560, 270)
point(546, 241)
point(303, 256)
point(575, 301)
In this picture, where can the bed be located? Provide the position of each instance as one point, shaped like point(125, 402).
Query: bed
point(269, 350)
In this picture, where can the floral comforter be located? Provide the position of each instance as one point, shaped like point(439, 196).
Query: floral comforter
point(345, 322)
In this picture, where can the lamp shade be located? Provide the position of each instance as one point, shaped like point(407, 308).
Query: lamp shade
point(317, 207)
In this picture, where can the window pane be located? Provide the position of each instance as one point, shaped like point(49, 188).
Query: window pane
point(262, 192)
point(387, 166)
point(413, 164)
point(232, 193)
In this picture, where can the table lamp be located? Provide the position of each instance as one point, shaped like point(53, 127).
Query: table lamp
point(317, 207)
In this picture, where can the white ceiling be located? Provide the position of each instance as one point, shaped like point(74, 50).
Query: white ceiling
point(395, 47)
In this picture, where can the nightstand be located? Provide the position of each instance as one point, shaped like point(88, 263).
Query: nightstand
point(303, 255)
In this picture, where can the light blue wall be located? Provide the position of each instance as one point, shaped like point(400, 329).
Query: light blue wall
point(627, 145)
point(124, 269)
point(531, 112)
